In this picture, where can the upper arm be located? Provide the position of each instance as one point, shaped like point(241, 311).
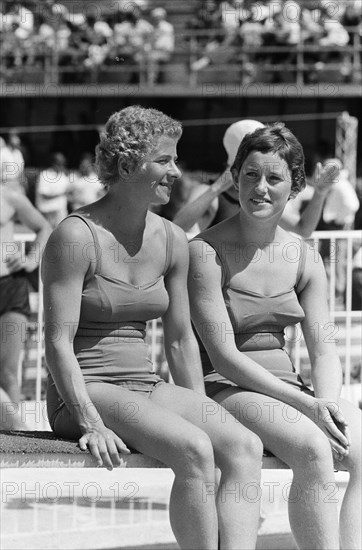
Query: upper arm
point(318, 330)
point(208, 309)
point(64, 267)
point(176, 320)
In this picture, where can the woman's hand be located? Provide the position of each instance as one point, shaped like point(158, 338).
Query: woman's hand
point(325, 177)
point(104, 445)
point(328, 416)
point(17, 262)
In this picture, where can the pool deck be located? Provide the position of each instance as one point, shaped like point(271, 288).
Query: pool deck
point(94, 509)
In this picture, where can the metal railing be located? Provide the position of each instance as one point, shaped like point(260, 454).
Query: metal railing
point(346, 322)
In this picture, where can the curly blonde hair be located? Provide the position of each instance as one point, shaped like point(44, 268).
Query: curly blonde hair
point(129, 135)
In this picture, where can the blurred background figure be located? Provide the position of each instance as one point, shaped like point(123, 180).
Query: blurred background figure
point(52, 188)
point(132, 38)
point(86, 187)
point(12, 163)
point(342, 202)
point(162, 44)
point(338, 214)
point(15, 265)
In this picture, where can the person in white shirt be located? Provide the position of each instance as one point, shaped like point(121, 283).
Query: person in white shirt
point(338, 214)
point(52, 188)
point(86, 187)
point(12, 163)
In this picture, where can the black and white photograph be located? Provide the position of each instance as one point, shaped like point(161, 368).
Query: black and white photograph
point(180, 274)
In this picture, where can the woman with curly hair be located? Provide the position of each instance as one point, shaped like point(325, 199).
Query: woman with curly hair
point(249, 280)
point(108, 269)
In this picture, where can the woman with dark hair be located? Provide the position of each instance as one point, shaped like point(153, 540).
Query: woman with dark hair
point(108, 269)
point(250, 279)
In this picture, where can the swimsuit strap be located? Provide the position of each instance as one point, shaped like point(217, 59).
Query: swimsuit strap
point(301, 263)
point(96, 262)
point(169, 245)
point(225, 273)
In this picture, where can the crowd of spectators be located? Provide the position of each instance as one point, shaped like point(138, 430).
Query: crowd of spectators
point(233, 27)
point(47, 34)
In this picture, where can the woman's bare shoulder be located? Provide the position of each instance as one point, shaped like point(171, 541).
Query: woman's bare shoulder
point(74, 229)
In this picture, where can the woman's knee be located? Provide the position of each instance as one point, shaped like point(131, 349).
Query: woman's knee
point(313, 452)
point(248, 446)
point(195, 456)
point(242, 449)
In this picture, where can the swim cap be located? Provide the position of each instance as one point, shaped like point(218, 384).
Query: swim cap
point(236, 133)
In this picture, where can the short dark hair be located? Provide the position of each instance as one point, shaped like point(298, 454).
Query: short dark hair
point(129, 135)
point(274, 138)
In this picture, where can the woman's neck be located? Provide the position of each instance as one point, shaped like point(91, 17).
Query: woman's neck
point(124, 213)
point(259, 232)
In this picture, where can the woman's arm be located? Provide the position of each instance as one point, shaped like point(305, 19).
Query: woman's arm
point(31, 218)
point(319, 332)
point(212, 322)
point(321, 336)
point(202, 207)
point(64, 267)
point(181, 347)
point(305, 223)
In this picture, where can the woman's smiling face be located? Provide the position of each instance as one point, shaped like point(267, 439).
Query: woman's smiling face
point(264, 183)
point(158, 171)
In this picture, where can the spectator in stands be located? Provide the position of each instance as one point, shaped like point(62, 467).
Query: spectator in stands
point(55, 11)
point(162, 45)
point(246, 287)
point(212, 204)
point(207, 16)
point(283, 30)
point(46, 32)
point(352, 18)
point(52, 188)
point(97, 53)
point(85, 187)
point(133, 39)
point(14, 295)
point(21, 18)
point(101, 367)
point(334, 37)
point(335, 34)
point(252, 36)
point(231, 15)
